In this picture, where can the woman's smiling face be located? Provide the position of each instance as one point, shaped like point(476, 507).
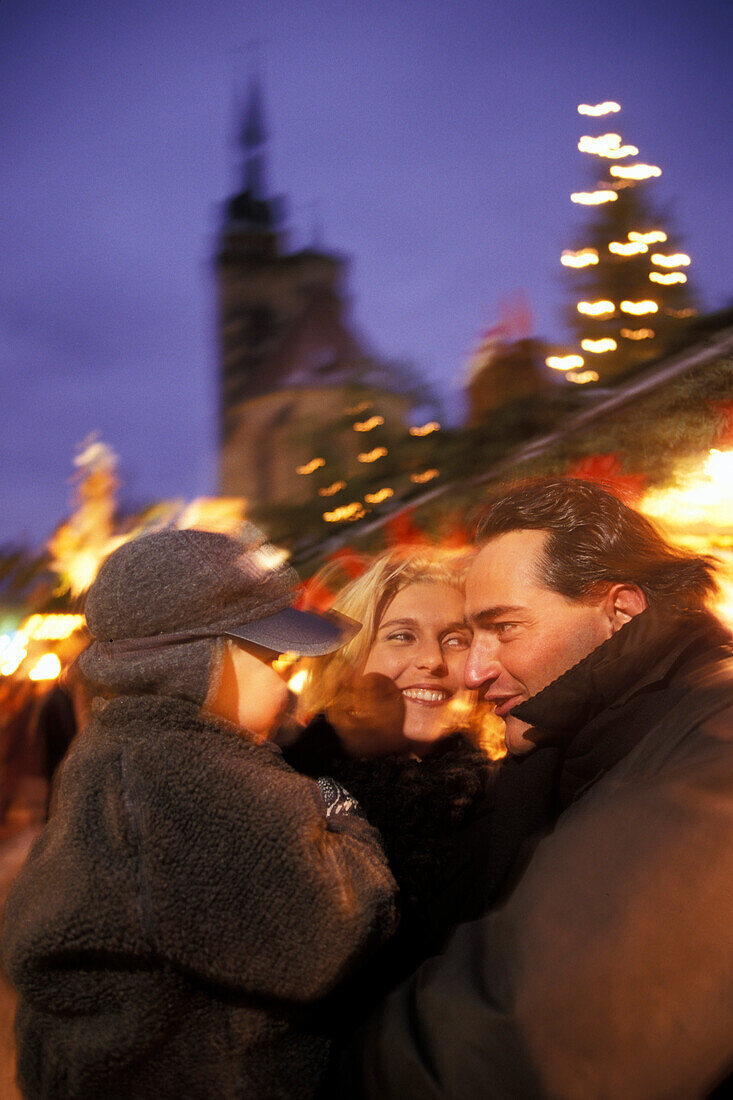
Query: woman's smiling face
point(421, 645)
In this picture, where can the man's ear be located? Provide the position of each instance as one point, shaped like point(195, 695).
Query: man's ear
point(622, 603)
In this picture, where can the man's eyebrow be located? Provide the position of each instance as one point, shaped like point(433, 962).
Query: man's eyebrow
point(489, 615)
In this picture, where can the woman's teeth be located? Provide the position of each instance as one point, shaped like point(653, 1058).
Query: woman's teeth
point(426, 695)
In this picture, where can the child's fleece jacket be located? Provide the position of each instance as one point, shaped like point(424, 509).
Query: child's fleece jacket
point(184, 907)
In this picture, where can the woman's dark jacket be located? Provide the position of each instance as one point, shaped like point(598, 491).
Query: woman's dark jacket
point(186, 904)
point(434, 817)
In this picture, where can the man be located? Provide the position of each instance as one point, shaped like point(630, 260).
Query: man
point(608, 969)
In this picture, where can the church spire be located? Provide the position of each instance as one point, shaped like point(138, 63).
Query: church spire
point(254, 140)
point(252, 209)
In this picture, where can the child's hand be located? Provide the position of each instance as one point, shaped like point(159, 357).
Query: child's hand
point(368, 716)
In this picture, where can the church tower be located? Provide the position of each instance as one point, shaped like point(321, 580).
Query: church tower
point(288, 351)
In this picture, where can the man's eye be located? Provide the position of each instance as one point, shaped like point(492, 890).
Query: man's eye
point(503, 629)
point(457, 641)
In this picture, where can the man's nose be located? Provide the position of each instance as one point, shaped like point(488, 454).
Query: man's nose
point(482, 666)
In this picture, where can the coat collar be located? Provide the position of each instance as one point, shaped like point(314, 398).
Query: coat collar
point(640, 654)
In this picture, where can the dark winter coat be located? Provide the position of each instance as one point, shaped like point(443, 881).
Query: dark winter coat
point(183, 908)
point(434, 818)
point(608, 970)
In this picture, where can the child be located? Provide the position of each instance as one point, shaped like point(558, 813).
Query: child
point(191, 895)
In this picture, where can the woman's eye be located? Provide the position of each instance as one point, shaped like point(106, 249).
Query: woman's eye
point(401, 636)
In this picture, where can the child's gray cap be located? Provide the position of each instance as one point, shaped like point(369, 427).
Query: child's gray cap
point(176, 586)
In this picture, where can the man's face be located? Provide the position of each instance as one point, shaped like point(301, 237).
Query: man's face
point(524, 634)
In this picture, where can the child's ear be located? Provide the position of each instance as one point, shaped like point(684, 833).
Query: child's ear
point(623, 602)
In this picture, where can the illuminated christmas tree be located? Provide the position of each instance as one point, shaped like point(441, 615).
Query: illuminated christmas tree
point(632, 296)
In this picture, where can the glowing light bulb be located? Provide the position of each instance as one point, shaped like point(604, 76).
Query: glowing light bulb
point(584, 257)
point(582, 377)
point(593, 198)
point(368, 425)
point(638, 308)
point(314, 464)
point(426, 429)
point(595, 111)
point(379, 496)
point(601, 308)
point(564, 362)
point(598, 346)
point(629, 248)
point(48, 667)
point(679, 259)
point(669, 279)
point(654, 236)
point(635, 171)
point(334, 487)
point(372, 456)
point(637, 333)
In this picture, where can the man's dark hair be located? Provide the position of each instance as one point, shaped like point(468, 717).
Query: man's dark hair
point(595, 540)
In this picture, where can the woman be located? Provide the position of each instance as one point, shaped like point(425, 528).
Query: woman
point(397, 728)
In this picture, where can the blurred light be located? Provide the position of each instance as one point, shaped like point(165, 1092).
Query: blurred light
point(368, 425)
point(635, 171)
point(596, 346)
point(47, 667)
point(669, 279)
point(426, 429)
point(593, 198)
point(581, 377)
point(704, 496)
point(681, 312)
point(334, 487)
point(52, 628)
point(360, 408)
point(637, 333)
point(345, 512)
point(12, 652)
point(679, 259)
point(638, 308)
point(654, 236)
point(632, 248)
point(582, 258)
point(298, 680)
point(379, 496)
point(372, 456)
point(314, 464)
point(426, 475)
point(607, 145)
point(596, 309)
point(564, 362)
point(222, 514)
point(607, 108)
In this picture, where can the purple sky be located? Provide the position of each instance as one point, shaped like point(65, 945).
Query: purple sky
point(438, 140)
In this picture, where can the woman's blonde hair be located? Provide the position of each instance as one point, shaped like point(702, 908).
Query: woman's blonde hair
point(365, 599)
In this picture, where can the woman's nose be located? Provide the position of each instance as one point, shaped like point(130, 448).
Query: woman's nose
point(431, 659)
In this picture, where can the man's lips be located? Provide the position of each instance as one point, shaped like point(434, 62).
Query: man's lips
point(504, 703)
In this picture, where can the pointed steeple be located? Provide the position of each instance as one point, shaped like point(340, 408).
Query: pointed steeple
point(251, 208)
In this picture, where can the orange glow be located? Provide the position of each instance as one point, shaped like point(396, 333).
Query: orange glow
point(679, 259)
point(582, 258)
point(379, 496)
point(345, 512)
point(311, 467)
point(334, 487)
point(581, 377)
point(635, 171)
point(637, 333)
point(564, 362)
point(426, 429)
point(427, 475)
point(669, 279)
point(372, 456)
point(632, 248)
point(368, 425)
point(598, 346)
point(593, 198)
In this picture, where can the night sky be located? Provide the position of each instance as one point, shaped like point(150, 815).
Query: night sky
point(435, 143)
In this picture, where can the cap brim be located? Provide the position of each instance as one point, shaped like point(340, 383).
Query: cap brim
point(307, 633)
